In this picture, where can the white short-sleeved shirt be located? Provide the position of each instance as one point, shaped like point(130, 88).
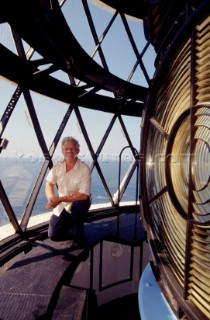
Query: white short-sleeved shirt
point(78, 179)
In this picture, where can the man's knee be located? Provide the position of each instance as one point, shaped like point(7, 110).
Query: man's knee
point(83, 205)
point(53, 237)
point(53, 233)
point(58, 226)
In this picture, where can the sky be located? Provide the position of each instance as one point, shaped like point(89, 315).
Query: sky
point(120, 59)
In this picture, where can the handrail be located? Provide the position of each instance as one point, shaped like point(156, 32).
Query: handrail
point(121, 185)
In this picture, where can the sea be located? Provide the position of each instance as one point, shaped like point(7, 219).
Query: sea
point(18, 178)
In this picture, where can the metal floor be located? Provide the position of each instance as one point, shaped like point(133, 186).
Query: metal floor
point(125, 308)
point(31, 285)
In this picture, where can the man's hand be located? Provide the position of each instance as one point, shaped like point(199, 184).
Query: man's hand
point(53, 202)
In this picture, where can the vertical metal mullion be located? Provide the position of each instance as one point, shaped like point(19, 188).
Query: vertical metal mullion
point(85, 134)
point(187, 258)
point(33, 196)
point(9, 109)
point(134, 47)
point(141, 248)
point(137, 62)
point(8, 208)
point(35, 122)
point(102, 37)
point(60, 130)
point(104, 139)
point(94, 34)
point(190, 188)
point(192, 125)
point(47, 163)
point(100, 264)
point(91, 268)
point(127, 136)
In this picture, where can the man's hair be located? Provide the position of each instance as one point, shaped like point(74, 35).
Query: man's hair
point(66, 139)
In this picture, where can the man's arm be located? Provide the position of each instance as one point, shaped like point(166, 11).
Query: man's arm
point(77, 196)
point(49, 192)
point(53, 200)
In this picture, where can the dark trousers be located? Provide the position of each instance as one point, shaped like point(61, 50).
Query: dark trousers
point(70, 225)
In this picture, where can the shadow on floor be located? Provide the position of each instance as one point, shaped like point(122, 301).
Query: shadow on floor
point(125, 308)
